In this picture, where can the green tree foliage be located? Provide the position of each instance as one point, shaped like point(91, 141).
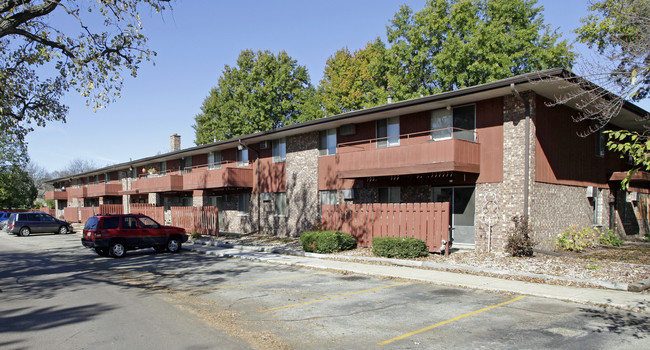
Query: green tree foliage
point(452, 44)
point(17, 189)
point(262, 92)
point(96, 41)
point(620, 30)
point(449, 44)
point(353, 81)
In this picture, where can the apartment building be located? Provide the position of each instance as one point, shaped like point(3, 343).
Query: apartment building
point(492, 151)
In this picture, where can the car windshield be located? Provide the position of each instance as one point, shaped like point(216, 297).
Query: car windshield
point(148, 222)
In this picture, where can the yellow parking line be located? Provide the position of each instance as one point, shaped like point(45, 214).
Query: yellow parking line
point(334, 297)
point(448, 321)
point(261, 282)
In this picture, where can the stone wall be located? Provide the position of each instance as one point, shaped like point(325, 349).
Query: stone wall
point(302, 184)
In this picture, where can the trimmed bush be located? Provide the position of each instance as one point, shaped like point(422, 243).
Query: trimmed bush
point(397, 247)
point(325, 242)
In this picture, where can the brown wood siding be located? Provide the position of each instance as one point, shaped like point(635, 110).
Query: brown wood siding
point(489, 133)
point(564, 157)
point(273, 176)
point(200, 159)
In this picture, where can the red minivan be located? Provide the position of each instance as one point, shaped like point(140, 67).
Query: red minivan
point(115, 234)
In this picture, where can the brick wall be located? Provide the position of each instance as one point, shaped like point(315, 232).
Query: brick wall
point(302, 184)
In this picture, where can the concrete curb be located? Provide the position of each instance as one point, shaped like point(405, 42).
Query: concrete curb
point(630, 287)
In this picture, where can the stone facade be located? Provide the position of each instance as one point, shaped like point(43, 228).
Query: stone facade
point(302, 183)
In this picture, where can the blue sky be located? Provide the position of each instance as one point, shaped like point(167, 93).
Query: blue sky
point(195, 41)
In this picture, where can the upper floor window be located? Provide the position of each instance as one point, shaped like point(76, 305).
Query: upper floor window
point(388, 132)
point(279, 150)
point(214, 160)
point(327, 142)
point(107, 178)
point(458, 122)
point(186, 164)
point(242, 157)
point(163, 167)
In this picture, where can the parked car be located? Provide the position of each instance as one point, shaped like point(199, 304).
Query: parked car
point(4, 216)
point(24, 224)
point(115, 234)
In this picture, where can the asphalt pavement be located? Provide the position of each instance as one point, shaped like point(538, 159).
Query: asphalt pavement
point(626, 300)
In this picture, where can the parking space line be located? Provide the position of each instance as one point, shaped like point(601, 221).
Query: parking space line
point(261, 282)
point(449, 321)
point(334, 297)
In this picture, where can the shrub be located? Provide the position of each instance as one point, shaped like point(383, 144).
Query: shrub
point(326, 241)
point(518, 239)
point(195, 235)
point(576, 239)
point(397, 247)
point(608, 238)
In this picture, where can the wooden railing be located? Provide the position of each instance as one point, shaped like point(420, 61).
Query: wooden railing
point(204, 220)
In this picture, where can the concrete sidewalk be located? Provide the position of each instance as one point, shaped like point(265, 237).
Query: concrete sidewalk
point(637, 302)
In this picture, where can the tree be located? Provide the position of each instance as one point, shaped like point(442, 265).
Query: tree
point(262, 92)
point(74, 167)
point(87, 53)
point(619, 30)
point(452, 44)
point(355, 81)
point(17, 189)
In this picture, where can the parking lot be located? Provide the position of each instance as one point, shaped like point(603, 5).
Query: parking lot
point(272, 306)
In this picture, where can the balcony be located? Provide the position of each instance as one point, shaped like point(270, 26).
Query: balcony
point(76, 192)
point(56, 195)
point(221, 175)
point(157, 183)
point(103, 189)
point(417, 153)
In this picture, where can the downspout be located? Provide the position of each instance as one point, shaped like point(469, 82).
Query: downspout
point(526, 148)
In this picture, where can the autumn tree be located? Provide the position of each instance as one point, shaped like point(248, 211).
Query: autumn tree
point(262, 92)
point(93, 44)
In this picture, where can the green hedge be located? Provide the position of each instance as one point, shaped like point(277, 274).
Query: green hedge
point(326, 241)
point(396, 247)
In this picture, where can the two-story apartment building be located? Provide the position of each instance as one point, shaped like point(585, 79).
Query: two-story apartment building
point(492, 151)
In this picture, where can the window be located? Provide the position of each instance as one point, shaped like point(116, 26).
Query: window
point(214, 160)
point(600, 143)
point(279, 150)
point(389, 195)
point(327, 142)
point(459, 122)
point(242, 157)
point(147, 222)
point(186, 164)
point(328, 197)
point(243, 204)
point(111, 222)
point(129, 222)
point(163, 167)
point(188, 201)
point(107, 178)
point(388, 132)
point(280, 202)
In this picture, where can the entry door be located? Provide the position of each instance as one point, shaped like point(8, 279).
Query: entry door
point(462, 214)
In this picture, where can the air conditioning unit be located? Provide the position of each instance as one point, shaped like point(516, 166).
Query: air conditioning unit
point(592, 191)
point(265, 144)
point(266, 197)
point(348, 194)
point(348, 129)
point(632, 196)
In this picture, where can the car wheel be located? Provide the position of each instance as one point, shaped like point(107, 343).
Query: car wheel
point(174, 245)
point(63, 230)
point(159, 248)
point(25, 231)
point(117, 249)
point(101, 251)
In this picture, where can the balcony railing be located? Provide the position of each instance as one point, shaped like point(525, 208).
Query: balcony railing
point(217, 175)
point(162, 183)
point(102, 189)
point(76, 192)
point(56, 195)
point(423, 152)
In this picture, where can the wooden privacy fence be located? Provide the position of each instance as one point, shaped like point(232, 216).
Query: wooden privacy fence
point(426, 221)
point(150, 210)
point(110, 209)
point(204, 220)
point(71, 214)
